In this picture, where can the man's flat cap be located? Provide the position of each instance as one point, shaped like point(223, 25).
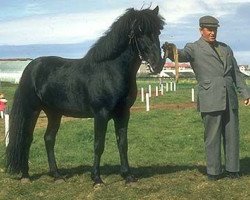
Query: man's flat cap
point(209, 21)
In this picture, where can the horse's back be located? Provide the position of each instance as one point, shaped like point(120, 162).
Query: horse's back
point(59, 83)
point(39, 70)
point(76, 87)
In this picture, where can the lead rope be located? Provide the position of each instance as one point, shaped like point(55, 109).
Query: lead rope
point(176, 63)
point(176, 59)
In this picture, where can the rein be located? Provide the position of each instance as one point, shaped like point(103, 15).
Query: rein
point(176, 59)
point(176, 63)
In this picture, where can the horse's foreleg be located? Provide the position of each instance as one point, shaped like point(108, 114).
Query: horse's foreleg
point(100, 128)
point(49, 138)
point(121, 126)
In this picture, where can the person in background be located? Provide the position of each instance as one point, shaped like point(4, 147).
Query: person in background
point(218, 77)
point(3, 104)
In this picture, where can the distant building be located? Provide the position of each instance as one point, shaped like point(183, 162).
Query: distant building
point(245, 69)
point(144, 68)
point(185, 70)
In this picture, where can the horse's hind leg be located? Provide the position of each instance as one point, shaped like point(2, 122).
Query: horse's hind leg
point(29, 124)
point(54, 121)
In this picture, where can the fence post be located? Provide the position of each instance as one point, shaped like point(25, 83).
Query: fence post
point(6, 123)
point(142, 94)
point(161, 89)
point(192, 94)
point(147, 101)
point(149, 90)
point(166, 86)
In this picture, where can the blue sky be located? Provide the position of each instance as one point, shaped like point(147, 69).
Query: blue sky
point(32, 28)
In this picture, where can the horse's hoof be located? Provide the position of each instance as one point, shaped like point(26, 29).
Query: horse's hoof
point(25, 180)
point(97, 186)
point(59, 180)
point(130, 179)
point(97, 183)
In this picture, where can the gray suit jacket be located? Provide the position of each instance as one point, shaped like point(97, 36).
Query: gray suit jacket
point(217, 78)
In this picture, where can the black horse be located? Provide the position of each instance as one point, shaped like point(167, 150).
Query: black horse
point(101, 85)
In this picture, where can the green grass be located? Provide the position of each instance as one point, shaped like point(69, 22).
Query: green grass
point(166, 153)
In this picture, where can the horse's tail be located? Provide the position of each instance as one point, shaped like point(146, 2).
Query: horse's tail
point(19, 138)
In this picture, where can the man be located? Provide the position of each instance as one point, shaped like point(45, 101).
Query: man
point(218, 76)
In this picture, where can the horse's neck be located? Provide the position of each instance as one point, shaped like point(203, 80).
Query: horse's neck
point(127, 61)
point(133, 68)
point(131, 58)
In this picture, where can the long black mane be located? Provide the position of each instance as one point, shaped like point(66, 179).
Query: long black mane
point(117, 35)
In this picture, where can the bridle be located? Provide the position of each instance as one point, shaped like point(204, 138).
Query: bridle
point(132, 37)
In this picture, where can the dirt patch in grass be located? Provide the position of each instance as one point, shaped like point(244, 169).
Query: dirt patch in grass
point(42, 120)
point(170, 106)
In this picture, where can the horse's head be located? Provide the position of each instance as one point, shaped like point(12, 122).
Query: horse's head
point(145, 31)
point(150, 52)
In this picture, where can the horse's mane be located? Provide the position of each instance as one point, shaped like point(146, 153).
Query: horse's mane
point(116, 39)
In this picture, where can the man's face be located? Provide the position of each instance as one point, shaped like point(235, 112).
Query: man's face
point(209, 33)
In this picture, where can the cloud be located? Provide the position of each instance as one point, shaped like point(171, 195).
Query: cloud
point(179, 12)
point(38, 23)
point(52, 29)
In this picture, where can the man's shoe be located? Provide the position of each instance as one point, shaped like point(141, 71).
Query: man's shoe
point(211, 177)
point(233, 175)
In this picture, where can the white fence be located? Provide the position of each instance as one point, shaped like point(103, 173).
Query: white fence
point(13, 77)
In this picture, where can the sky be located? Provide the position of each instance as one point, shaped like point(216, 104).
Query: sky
point(33, 28)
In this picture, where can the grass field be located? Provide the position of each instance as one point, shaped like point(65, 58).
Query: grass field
point(166, 154)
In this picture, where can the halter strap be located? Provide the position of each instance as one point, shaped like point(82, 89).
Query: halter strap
point(133, 37)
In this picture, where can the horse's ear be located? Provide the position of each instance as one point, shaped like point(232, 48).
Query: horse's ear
point(156, 10)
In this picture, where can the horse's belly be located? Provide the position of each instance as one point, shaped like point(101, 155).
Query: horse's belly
point(70, 109)
point(78, 115)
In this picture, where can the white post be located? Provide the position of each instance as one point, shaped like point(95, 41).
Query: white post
point(192, 94)
point(1, 114)
point(149, 91)
point(6, 122)
point(156, 91)
point(171, 86)
point(142, 95)
point(160, 80)
point(161, 89)
point(147, 101)
point(166, 86)
point(174, 86)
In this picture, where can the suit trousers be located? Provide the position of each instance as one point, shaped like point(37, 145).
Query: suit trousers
point(221, 126)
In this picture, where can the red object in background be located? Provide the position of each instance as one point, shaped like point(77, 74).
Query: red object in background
point(3, 103)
